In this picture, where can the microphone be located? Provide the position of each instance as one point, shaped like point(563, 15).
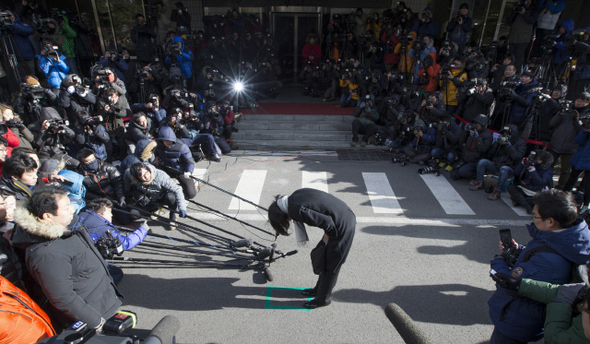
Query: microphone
point(164, 331)
point(242, 243)
point(266, 252)
point(405, 326)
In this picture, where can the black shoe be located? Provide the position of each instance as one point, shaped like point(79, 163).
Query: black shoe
point(172, 225)
point(313, 304)
point(309, 292)
point(215, 157)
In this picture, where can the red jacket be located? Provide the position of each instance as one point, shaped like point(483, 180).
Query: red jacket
point(314, 50)
point(391, 58)
point(431, 73)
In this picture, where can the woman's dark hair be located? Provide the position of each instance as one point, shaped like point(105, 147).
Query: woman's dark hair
point(99, 205)
point(557, 204)
point(45, 200)
point(278, 219)
point(17, 165)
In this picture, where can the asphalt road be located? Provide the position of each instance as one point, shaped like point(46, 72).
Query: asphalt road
point(421, 248)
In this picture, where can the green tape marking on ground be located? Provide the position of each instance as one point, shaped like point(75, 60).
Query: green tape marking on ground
point(268, 295)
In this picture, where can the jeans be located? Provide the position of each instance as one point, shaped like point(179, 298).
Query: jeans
point(439, 153)
point(345, 97)
point(467, 171)
point(504, 174)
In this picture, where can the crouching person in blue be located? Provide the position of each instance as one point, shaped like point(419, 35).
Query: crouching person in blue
point(176, 159)
point(318, 209)
point(69, 269)
point(560, 240)
point(97, 217)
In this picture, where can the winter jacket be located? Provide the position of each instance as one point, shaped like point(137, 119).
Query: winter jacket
point(549, 15)
point(309, 50)
point(178, 157)
point(74, 103)
point(182, 19)
point(508, 155)
point(406, 60)
point(474, 148)
point(560, 49)
point(581, 158)
point(565, 127)
point(95, 140)
point(521, 30)
point(136, 132)
point(76, 192)
point(67, 266)
point(562, 323)
point(143, 152)
point(120, 67)
point(459, 33)
point(450, 89)
point(426, 142)
point(15, 188)
point(48, 143)
point(69, 46)
point(54, 71)
point(184, 60)
point(538, 179)
point(156, 116)
point(519, 317)
point(366, 115)
point(450, 137)
point(430, 74)
point(418, 59)
point(24, 135)
point(478, 104)
point(548, 110)
point(521, 102)
point(98, 225)
point(20, 33)
point(106, 181)
point(393, 57)
point(113, 122)
point(430, 28)
point(155, 189)
point(142, 36)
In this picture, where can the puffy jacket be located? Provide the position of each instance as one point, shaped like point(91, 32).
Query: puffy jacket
point(95, 140)
point(155, 189)
point(69, 34)
point(474, 148)
point(406, 60)
point(560, 50)
point(184, 60)
point(549, 15)
point(15, 188)
point(519, 317)
point(508, 155)
point(54, 71)
point(430, 28)
point(581, 158)
point(450, 91)
point(538, 179)
point(549, 109)
point(478, 104)
point(565, 127)
point(144, 150)
point(451, 136)
point(136, 132)
point(98, 225)
point(459, 33)
point(314, 50)
point(20, 33)
point(562, 324)
point(177, 157)
point(366, 116)
point(430, 73)
point(426, 142)
point(48, 143)
point(77, 192)
point(67, 266)
point(521, 102)
point(104, 182)
point(144, 47)
point(119, 67)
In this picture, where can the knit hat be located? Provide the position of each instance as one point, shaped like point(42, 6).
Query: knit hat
point(464, 5)
point(31, 80)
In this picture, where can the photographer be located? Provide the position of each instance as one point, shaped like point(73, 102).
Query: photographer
point(142, 36)
point(229, 123)
point(90, 133)
point(53, 65)
point(523, 18)
point(180, 57)
point(311, 52)
point(507, 76)
point(213, 124)
point(503, 156)
point(522, 98)
point(497, 70)
point(20, 33)
point(419, 51)
point(23, 136)
point(432, 109)
point(208, 83)
point(418, 151)
point(404, 47)
point(33, 98)
point(180, 16)
point(69, 46)
point(446, 147)
point(561, 46)
point(51, 135)
point(365, 117)
point(459, 28)
point(565, 126)
point(175, 158)
point(348, 88)
point(112, 109)
point(452, 77)
point(375, 59)
point(549, 12)
point(140, 127)
point(559, 240)
point(113, 60)
point(151, 109)
point(545, 107)
point(425, 24)
point(151, 188)
point(581, 163)
point(533, 174)
point(475, 141)
point(75, 97)
point(360, 23)
point(476, 100)
point(101, 179)
point(106, 78)
point(428, 73)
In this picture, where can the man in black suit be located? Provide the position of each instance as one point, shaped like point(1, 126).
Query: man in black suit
point(318, 209)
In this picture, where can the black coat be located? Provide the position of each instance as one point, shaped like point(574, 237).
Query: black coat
point(105, 182)
point(142, 36)
point(320, 209)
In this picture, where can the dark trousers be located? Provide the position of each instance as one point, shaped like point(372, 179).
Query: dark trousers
point(188, 186)
point(519, 52)
point(585, 184)
point(169, 199)
point(115, 272)
point(367, 130)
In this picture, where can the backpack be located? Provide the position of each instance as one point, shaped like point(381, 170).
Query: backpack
point(22, 320)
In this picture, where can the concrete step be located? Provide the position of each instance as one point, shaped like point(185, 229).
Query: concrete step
point(294, 125)
point(305, 118)
point(298, 145)
point(292, 135)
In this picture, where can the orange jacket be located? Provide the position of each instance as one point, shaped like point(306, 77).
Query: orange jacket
point(431, 73)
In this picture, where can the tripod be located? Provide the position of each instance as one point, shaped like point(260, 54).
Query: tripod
point(10, 63)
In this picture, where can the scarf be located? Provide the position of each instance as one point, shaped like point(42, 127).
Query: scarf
point(300, 232)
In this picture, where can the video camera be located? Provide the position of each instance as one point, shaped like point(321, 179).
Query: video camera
point(425, 16)
point(507, 90)
point(5, 19)
point(145, 73)
point(173, 48)
point(93, 120)
point(32, 93)
point(109, 245)
point(50, 51)
point(57, 125)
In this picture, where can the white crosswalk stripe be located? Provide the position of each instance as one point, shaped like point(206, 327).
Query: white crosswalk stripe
point(314, 180)
point(250, 188)
point(381, 194)
point(449, 199)
point(518, 210)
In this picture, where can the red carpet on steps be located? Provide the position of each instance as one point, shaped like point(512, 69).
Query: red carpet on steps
point(300, 109)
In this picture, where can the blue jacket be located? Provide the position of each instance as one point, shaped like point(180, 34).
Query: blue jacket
point(581, 158)
point(54, 71)
point(519, 317)
point(20, 33)
point(77, 192)
point(518, 110)
point(156, 116)
point(430, 28)
point(427, 140)
point(177, 157)
point(537, 180)
point(553, 6)
point(184, 60)
point(98, 225)
point(560, 49)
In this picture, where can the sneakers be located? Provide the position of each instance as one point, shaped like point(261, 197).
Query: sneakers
point(477, 186)
point(494, 195)
point(449, 168)
point(215, 157)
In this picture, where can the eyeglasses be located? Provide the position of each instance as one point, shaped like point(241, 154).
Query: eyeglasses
point(533, 217)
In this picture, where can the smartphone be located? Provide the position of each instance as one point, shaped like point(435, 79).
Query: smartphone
point(66, 183)
point(506, 237)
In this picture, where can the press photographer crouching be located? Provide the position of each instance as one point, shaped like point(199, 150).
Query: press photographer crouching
point(52, 134)
point(97, 217)
point(560, 241)
point(151, 189)
point(475, 141)
point(175, 158)
point(365, 117)
point(446, 148)
point(213, 123)
point(418, 151)
point(475, 100)
point(533, 174)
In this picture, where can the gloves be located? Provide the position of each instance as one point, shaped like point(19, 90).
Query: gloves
point(507, 143)
point(122, 200)
point(182, 213)
point(531, 168)
point(363, 104)
point(145, 226)
point(71, 89)
point(473, 133)
point(567, 293)
point(506, 281)
point(187, 175)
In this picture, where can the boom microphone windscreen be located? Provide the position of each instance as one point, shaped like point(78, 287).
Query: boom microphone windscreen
point(164, 331)
point(405, 326)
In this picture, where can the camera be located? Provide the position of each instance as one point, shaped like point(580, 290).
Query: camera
point(5, 19)
point(93, 120)
point(32, 93)
point(57, 125)
point(418, 129)
point(109, 246)
point(502, 139)
point(430, 169)
point(401, 159)
point(429, 102)
point(585, 122)
point(530, 160)
point(114, 56)
point(470, 127)
point(425, 16)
